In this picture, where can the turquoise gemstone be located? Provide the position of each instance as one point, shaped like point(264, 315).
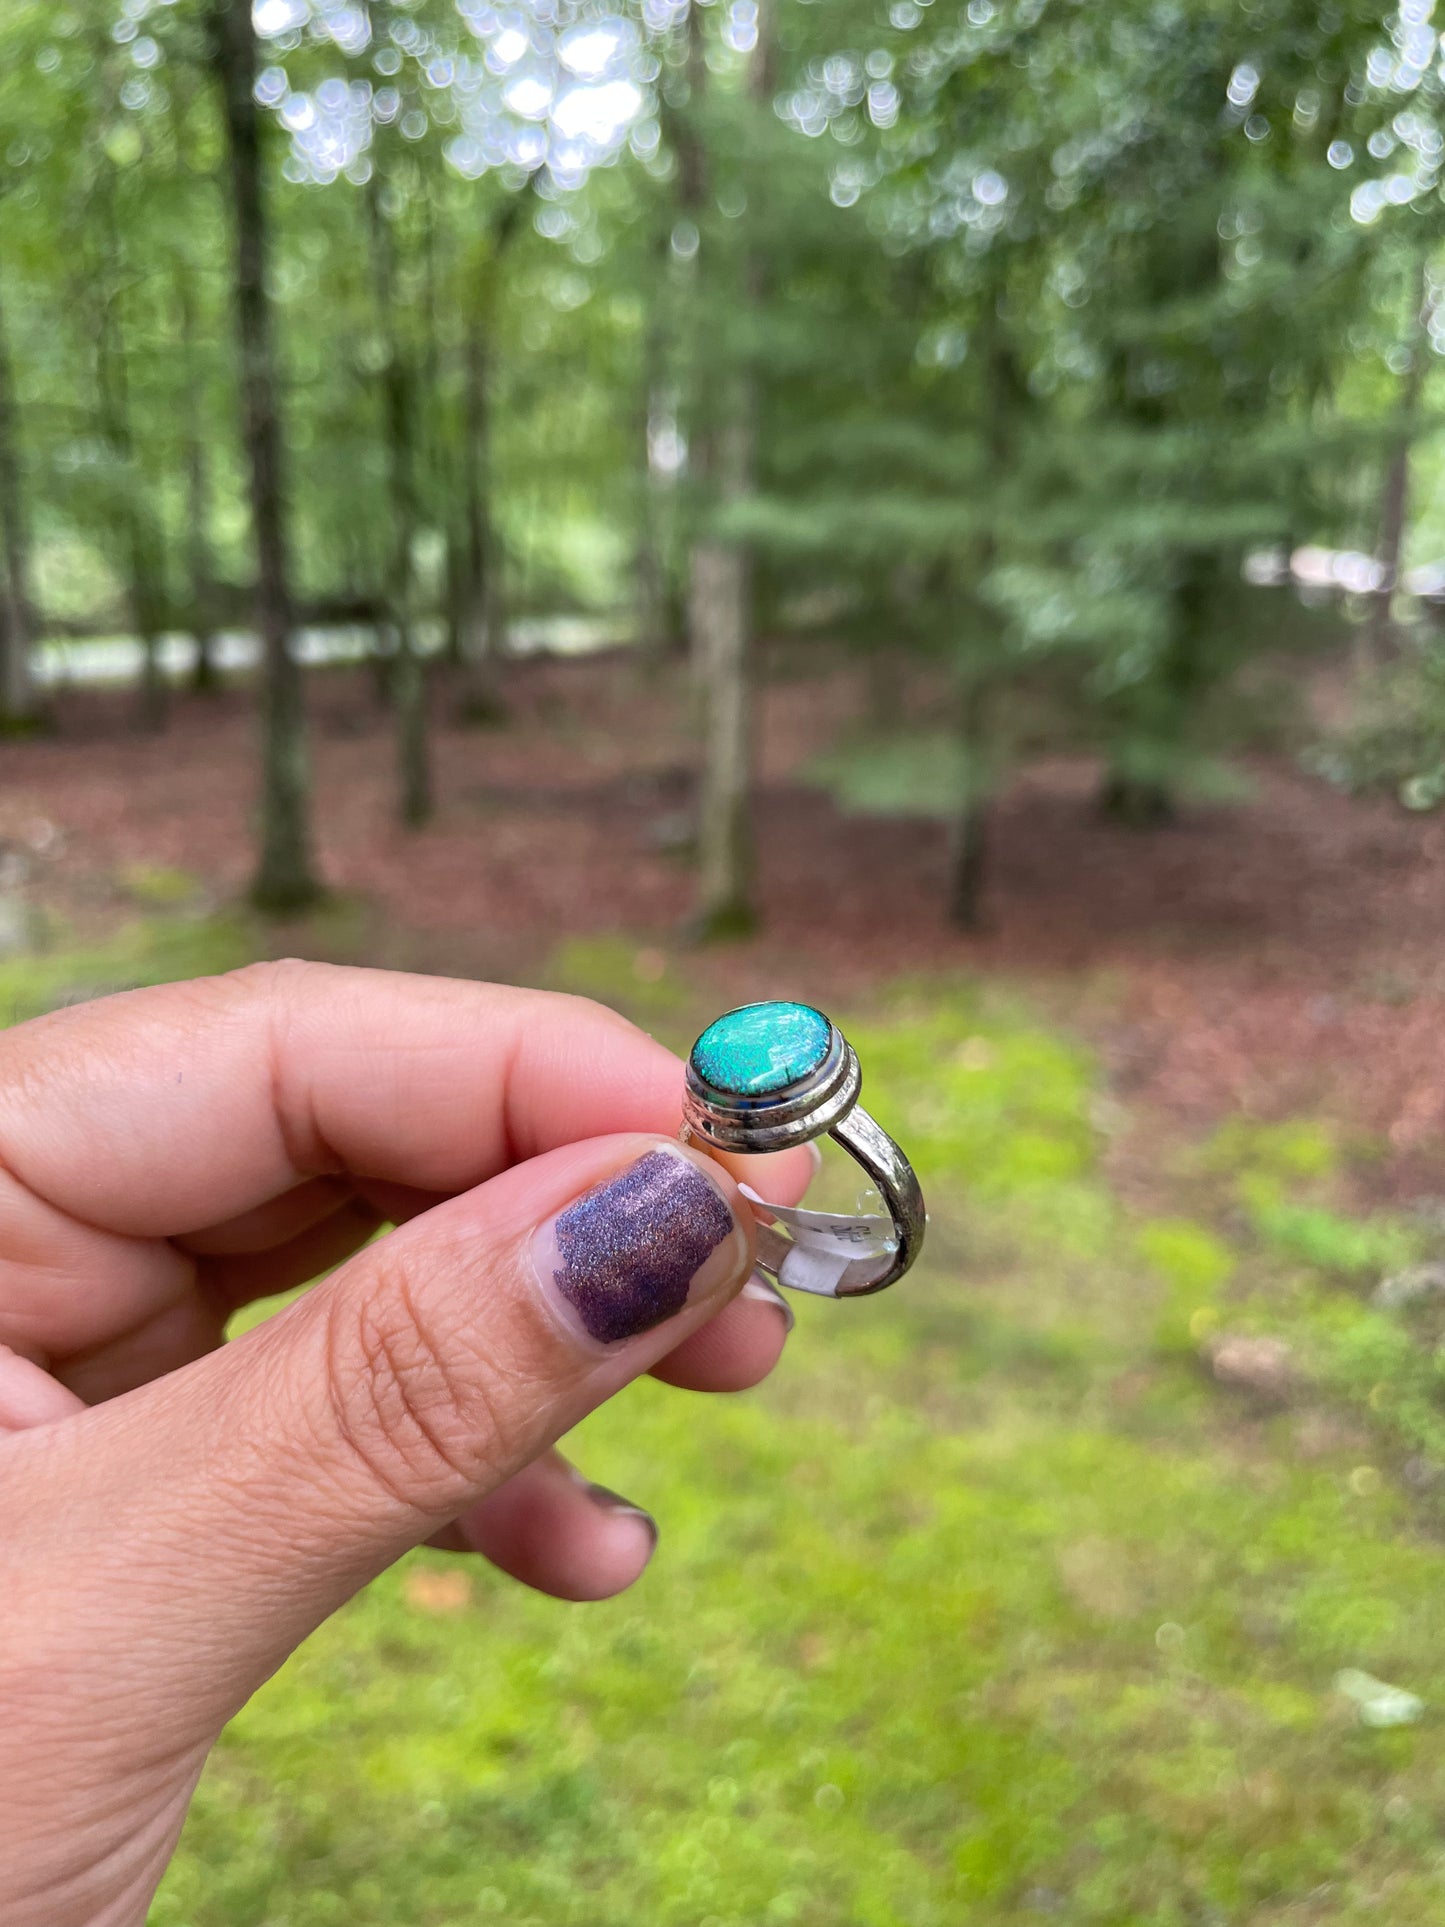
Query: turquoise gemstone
point(761, 1048)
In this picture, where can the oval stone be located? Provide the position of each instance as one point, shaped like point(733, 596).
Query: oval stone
point(761, 1048)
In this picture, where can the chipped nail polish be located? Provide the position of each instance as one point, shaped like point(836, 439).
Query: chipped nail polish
point(611, 1501)
point(626, 1254)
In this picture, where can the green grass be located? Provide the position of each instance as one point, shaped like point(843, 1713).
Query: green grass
point(150, 950)
point(991, 1607)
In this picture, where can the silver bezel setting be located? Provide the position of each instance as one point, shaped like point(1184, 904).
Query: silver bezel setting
point(817, 1251)
point(776, 1120)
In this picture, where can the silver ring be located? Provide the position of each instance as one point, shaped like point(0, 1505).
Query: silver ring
point(767, 1077)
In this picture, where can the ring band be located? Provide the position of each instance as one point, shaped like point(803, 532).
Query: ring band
point(769, 1077)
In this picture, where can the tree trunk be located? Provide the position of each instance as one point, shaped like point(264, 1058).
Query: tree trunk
point(455, 589)
point(206, 674)
point(479, 601)
point(1178, 687)
point(967, 869)
point(398, 392)
point(656, 630)
point(17, 689)
point(285, 879)
point(720, 601)
point(720, 619)
point(199, 558)
point(414, 802)
point(693, 186)
point(885, 683)
point(1136, 802)
point(968, 845)
point(481, 598)
point(147, 600)
point(137, 533)
point(1395, 494)
point(977, 709)
point(200, 568)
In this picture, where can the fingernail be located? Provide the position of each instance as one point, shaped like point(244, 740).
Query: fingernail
point(610, 1501)
point(632, 1252)
point(758, 1287)
point(815, 1151)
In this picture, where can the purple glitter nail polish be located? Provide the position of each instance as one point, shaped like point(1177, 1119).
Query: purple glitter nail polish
point(627, 1252)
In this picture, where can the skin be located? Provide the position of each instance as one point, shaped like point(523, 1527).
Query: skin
point(176, 1513)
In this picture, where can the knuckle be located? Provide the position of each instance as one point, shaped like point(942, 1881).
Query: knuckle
point(279, 985)
point(600, 1014)
point(429, 1422)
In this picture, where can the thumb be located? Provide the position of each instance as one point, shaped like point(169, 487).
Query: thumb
point(208, 1521)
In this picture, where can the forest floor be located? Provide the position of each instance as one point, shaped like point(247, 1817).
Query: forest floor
point(1093, 1575)
point(1277, 954)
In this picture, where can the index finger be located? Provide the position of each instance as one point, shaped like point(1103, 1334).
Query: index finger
point(161, 1111)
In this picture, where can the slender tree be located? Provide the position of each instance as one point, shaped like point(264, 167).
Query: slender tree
point(399, 403)
point(720, 590)
point(196, 465)
point(688, 129)
point(135, 518)
point(17, 690)
point(481, 595)
point(200, 561)
point(1395, 492)
point(656, 628)
point(285, 878)
point(111, 282)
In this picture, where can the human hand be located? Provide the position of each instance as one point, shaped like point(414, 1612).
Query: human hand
point(177, 1514)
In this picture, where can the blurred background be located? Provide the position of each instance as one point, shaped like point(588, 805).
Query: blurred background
point(933, 509)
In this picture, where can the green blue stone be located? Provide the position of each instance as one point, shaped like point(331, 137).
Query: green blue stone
point(761, 1048)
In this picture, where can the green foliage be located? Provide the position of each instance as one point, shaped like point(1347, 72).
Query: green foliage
point(904, 775)
point(1298, 1149)
point(972, 1087)
point(158, 887)
point(640, 979)
point(1323, 1239)
point(1183, 771)
point(1307, 1273)
point(1396, 741)
point(1148, 324)
point(1196, 1268)
point(1025, 327)
point(1281, 1180)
